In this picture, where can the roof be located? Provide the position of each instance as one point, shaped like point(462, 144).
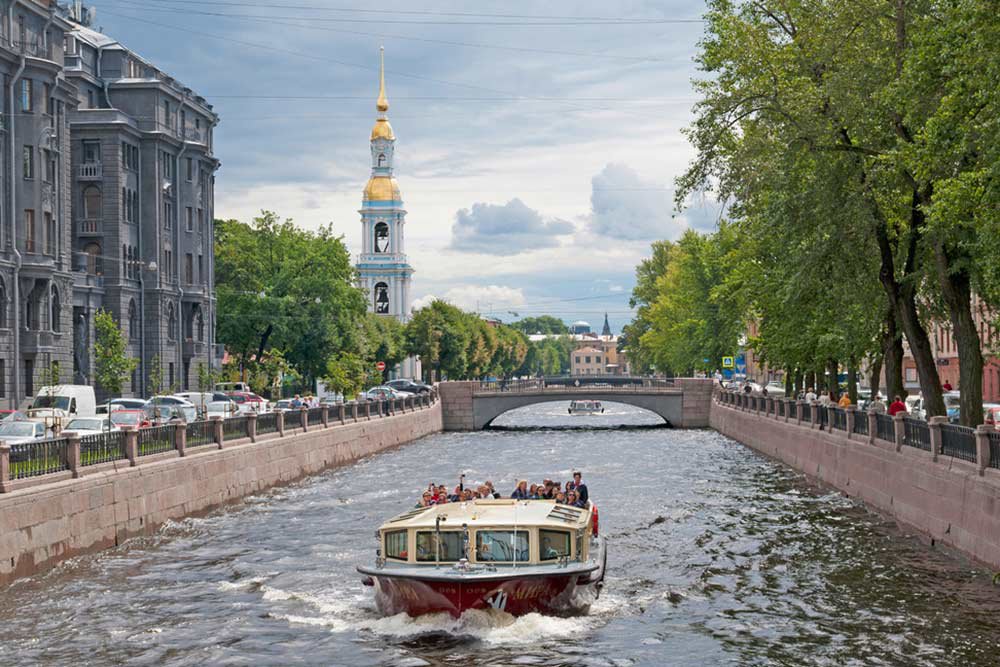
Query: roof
point(589, 349)
point(503, 512)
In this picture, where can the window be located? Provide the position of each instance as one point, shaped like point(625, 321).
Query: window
point(395, 545)
point(587, 359)
point(597, 359)
point(29, 230)
point(135, 385)
point(381, 160)
point(28, 161)
point(500, 546)
point(166, 114)
point(27, 95)
point(188, 268)
point(49, 101)
point(29, 377)
point(171, 322)
point(95, 263)
point(167, 165)
point(199, 326)
point(91, 152)
point(201, 221)
point(186, 370)
point(170, 375)
point(50, 168)
point(911, 374)
point(50, 235)
point(189, 168)
point(189, 218)
point(3, 308)
point(168, 214)
point(55, 309)
point(201, 269)
point(197, 123)
point(381, 298)
point(133, 322)
point(3, 378)
point(183, 123)
point(130, 156)
point(451, 546)
point(554, 544)
point(93, 202)
point(125, 268)
point(381, 237)
point(90, 99)
point(578, 360)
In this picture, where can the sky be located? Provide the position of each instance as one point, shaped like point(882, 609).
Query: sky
point(537, 142)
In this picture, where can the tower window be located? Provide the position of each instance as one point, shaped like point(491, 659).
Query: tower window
point(382, 298)
point(381, 160)
point(381, 237)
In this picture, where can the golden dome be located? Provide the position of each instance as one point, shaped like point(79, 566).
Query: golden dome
point(382, 130)
point(381, 188)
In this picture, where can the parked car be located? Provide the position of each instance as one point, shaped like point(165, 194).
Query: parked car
point(249, 402)
point(198, 399)
point(952, 406)
point(90, 426)
point(282, 405)
point(116, 404)
point(134, 418)
point(16, 432)
point(12, 415)
point(915, 406)
point(991, 415)
point(775, 389)
point(224, 409)
point(403, 384)
point(383, 392)
point(162, 414)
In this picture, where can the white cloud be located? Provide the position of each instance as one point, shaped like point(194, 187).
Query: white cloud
point(625, 206)
point(485, 297)
point(506, 229)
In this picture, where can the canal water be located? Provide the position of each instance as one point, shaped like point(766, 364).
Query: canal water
point(717, 557)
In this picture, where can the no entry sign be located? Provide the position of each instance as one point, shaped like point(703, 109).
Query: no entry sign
point(380, 366)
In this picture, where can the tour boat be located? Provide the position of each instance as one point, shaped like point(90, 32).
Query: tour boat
point(516, 556)
point(585, 407)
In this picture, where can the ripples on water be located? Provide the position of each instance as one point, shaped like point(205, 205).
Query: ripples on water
point(718, 557)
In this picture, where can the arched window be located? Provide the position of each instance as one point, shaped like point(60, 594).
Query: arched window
point(95, 263)
point(171, 322)
point(381, 237)
point(381, 160)
point(133, 321)
point(92, 203)
point(3, 306)
point(55, 309)
point(381, 298)
point(131, 262)
point(124, 262)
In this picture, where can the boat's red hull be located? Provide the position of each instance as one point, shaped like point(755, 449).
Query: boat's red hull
point(550, 594)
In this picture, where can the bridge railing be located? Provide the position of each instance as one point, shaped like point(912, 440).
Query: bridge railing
point(583, 384)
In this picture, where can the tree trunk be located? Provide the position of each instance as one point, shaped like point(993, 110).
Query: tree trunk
point(832, 386)
point(798, 382)
point(789, 385)
point(875, 376)
point(892, 354)
point(956, 290)
point(852, 381)
point(811, 381)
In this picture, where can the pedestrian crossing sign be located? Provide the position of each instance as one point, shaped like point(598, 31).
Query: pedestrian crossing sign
point(728, 362)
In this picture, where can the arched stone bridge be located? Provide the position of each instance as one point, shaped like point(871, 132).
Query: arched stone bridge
point(472, 406)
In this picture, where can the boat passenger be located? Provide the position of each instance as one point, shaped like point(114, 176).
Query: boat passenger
point(580, 487)
point(560, 498)
point(426, 500)
point(573, 499)
point(521, 492)
point(533, 492)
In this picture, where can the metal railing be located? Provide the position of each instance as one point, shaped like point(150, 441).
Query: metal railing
point(39, 457)
point(267, 423)
point(885, 427)
point(958, 441)
point(916, 433)
point(793, 410)
point(838, 419)
point(156, 440)
point(102, 448)
point(200, 434)
point(584, 383)
point(235, 428)
point(315, 416)
point(994, 438)
point(293, 418)
point(781, 408)
point(822, 416)
point(860, 423)
point(807, 412)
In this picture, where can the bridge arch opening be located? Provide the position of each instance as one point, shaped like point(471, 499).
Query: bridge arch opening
point(554, 414)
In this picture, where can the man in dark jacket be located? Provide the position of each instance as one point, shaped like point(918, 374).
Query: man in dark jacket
point(580, 488)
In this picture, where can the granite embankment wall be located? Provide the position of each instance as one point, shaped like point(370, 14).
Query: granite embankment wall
point(44, 524)
point(950, 500)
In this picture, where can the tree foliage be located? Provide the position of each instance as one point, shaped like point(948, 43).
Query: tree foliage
point(111, 361)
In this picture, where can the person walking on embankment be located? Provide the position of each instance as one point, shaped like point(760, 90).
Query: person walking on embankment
point(897, 406)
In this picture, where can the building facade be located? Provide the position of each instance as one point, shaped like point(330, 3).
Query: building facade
point(384, 273)
point(108, 195)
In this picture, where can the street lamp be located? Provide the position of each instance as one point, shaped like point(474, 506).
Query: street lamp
point(149, 266)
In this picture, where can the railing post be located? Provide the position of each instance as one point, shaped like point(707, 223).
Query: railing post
point(73, 454)
point(852, 415)
point(983, 447)
point(324, 412)
point(342, 413)
point(4, 467)
point(180, 438)
point(218, 434)
point(788, 408)
point(354, 410)
point(252, 426)
point(899, 430)
point(304, 412)
point(814, 414)
point(368, 410)
point(872, 426)
point(280, 421)
point(934, 424)
point(132, 445)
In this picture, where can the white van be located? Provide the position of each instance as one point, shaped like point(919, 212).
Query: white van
point(56, 404)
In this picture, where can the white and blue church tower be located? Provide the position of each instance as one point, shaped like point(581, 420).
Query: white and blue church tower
point(383, 270)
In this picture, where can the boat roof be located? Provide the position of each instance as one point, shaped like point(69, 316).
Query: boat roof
point(492, 512)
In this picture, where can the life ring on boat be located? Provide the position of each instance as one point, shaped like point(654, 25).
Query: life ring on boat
point(594, 518)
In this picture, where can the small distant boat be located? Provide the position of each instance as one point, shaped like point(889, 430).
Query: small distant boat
point(585, 407)
point(516, 556)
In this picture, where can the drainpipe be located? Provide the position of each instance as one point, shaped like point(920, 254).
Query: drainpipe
point(177, 219)
point(12, 173)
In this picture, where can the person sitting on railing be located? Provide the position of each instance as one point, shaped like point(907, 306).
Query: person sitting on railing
point(897, 406)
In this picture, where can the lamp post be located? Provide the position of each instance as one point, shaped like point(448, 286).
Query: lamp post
point(141, 266)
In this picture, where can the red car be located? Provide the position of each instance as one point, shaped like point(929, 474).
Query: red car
point(248, 402)
point(134, 418)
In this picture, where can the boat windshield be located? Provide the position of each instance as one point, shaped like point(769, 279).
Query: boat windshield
point(451, 546)
point(555, 544)
point(500, 546)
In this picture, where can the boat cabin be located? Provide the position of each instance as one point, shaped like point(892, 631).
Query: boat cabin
point(488, 531)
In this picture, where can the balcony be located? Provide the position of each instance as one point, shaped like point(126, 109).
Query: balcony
point(89, 171)
point(193, 348)
point(90, 226)
point(33, 342)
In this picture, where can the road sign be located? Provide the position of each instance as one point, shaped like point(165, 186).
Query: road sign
point(741, 363)
point(380, 366)
point(727, 362)
point(728, 374)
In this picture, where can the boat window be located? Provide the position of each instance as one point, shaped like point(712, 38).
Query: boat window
point(395, 545)
point(499, 546)
point(451, 546)
point(554, 544)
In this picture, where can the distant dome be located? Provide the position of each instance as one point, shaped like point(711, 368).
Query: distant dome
point(581, 323)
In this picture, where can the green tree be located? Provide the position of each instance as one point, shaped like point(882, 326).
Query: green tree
point(155, 379)
point(544, 324)
point(111, 362)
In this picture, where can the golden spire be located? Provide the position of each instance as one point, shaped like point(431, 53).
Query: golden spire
point(382, 104)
